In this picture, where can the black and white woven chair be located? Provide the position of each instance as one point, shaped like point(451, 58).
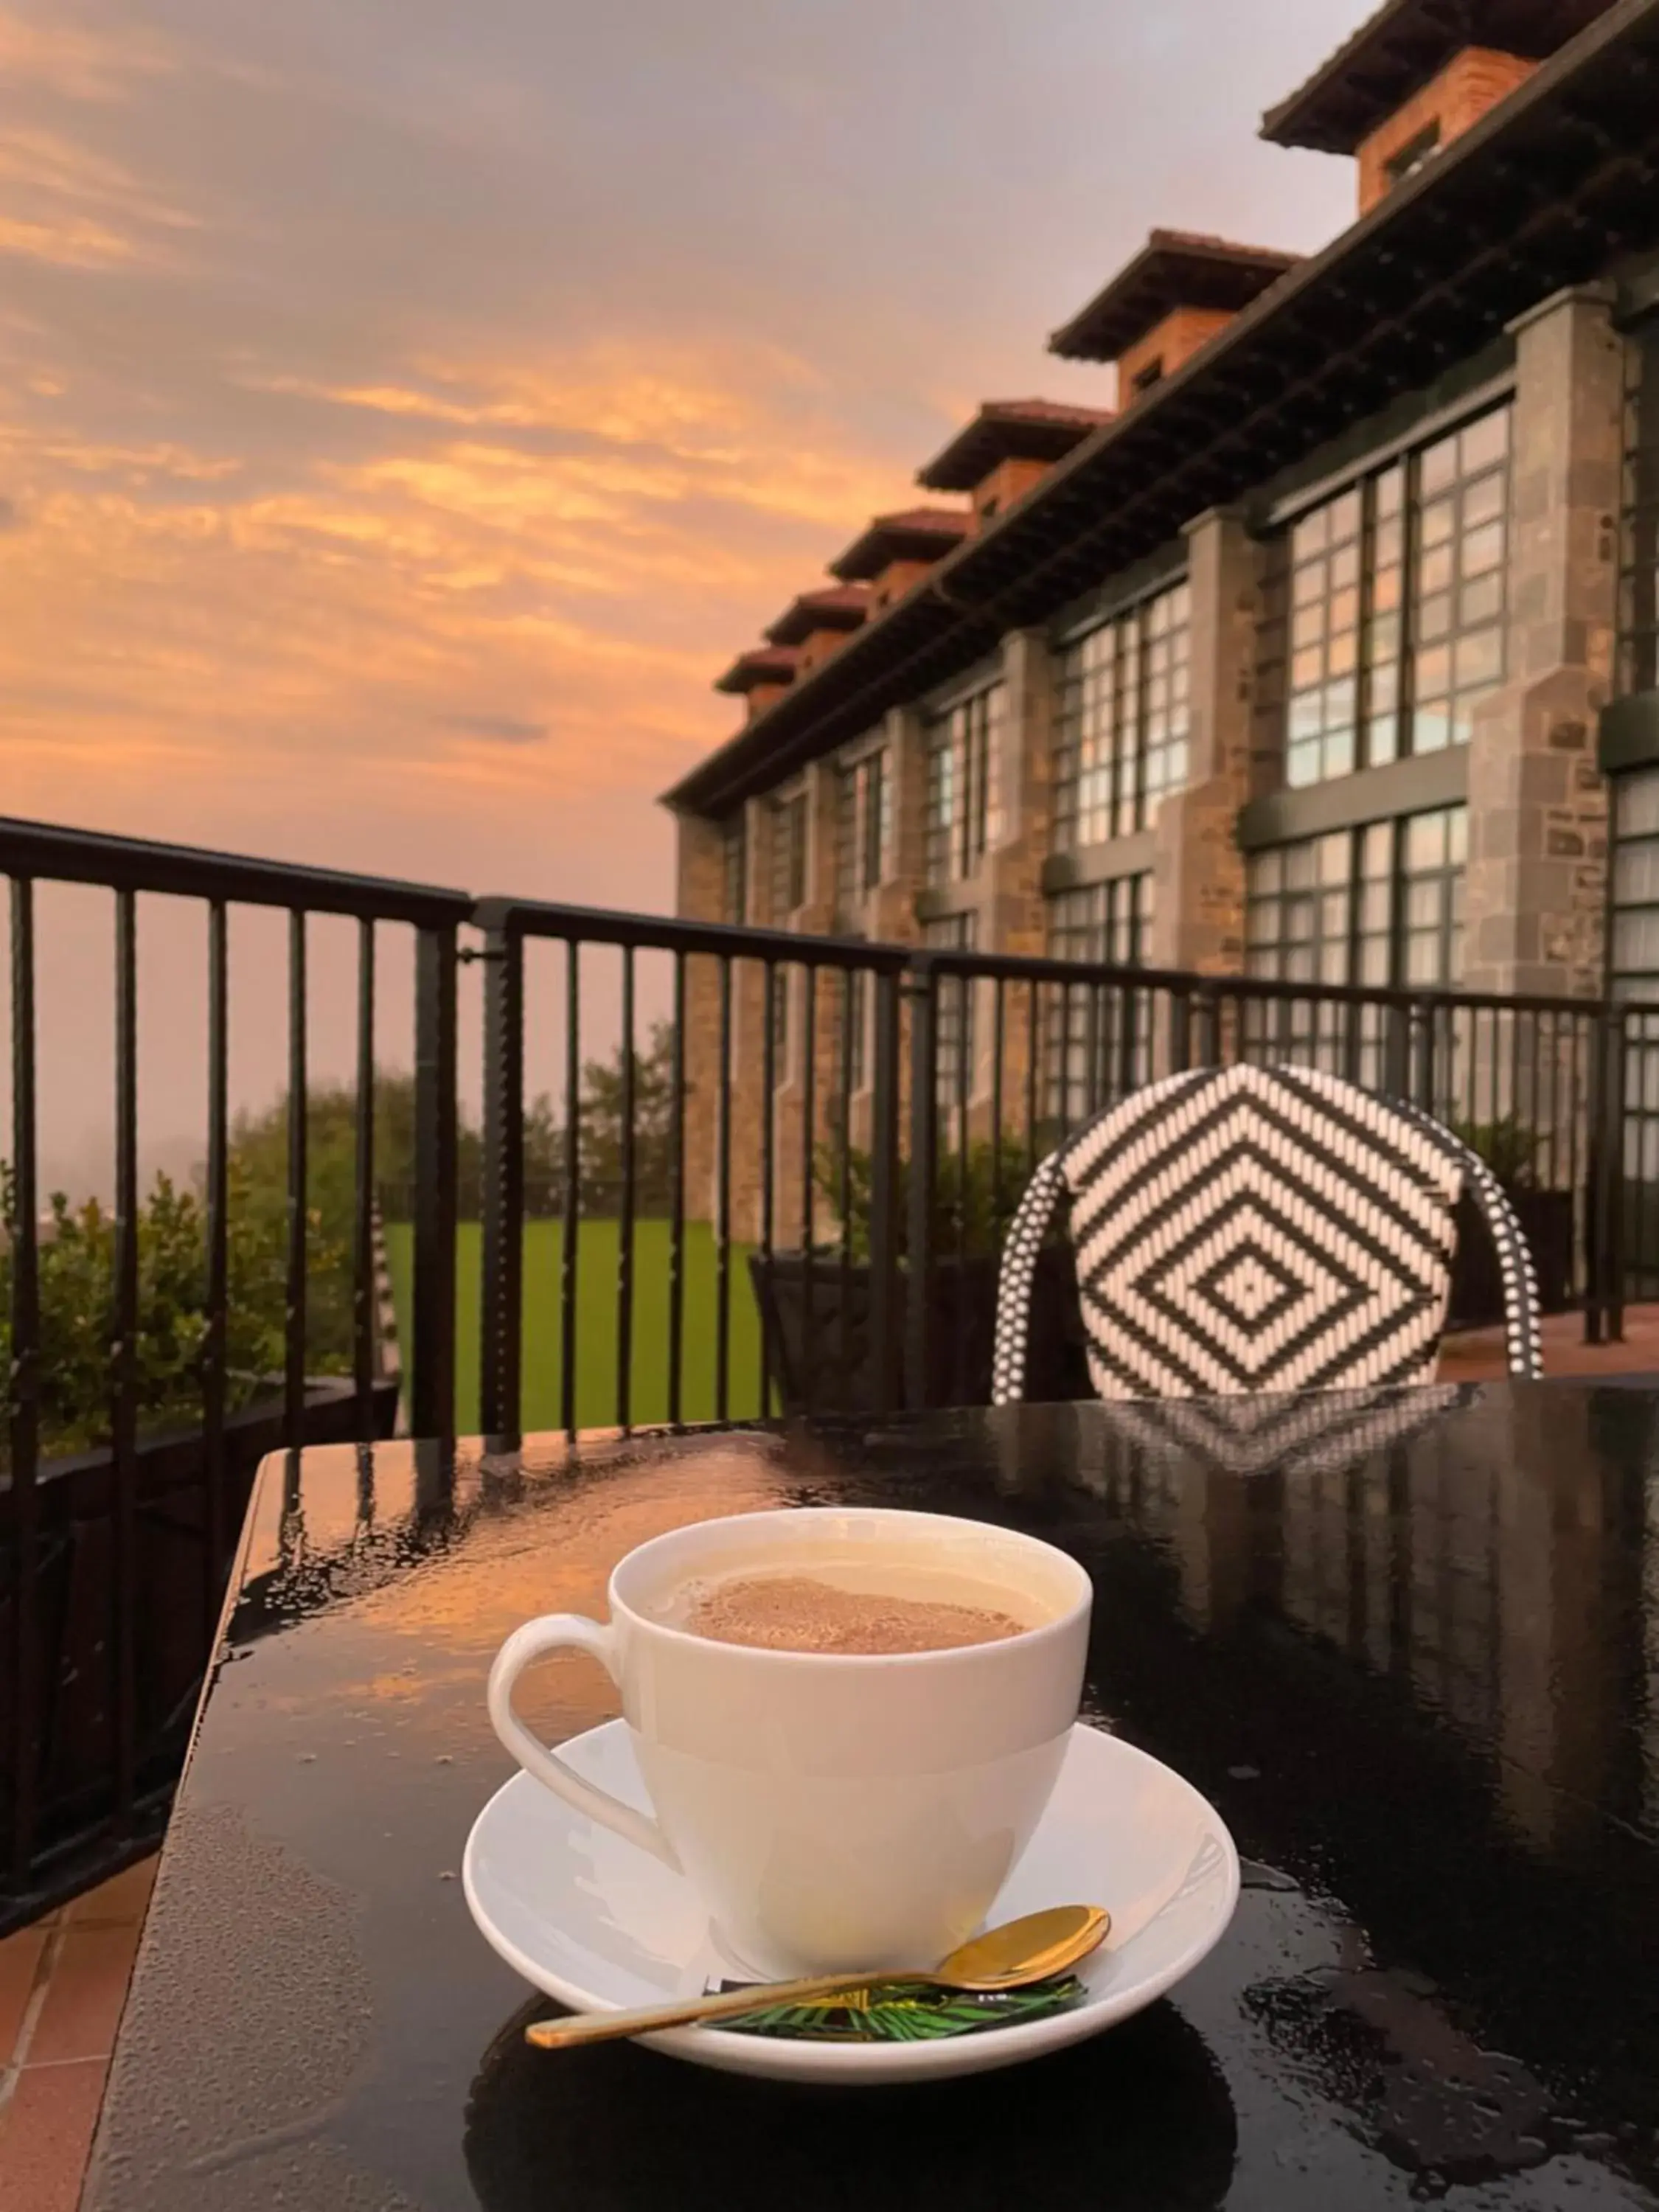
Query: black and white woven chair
point(1249, 1228)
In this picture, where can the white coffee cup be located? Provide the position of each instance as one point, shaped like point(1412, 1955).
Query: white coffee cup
point(832, 1809)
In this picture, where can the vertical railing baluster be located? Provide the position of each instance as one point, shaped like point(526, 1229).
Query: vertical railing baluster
point(363, 1190)
point(294, 1347)
point(215, 1533)
point(23, 1392)
point(769, 1120)
point(625, 1218)
point(501, 1230)
point(809, 982)
point(1033, 1053)
point(964, 1087)
point(570, 1246)
point(432, 1395)
point(884, 1227)
point(723, 1205)
point(123, 1363)
point(1180, 1030)
point(998, 1043)
point(1616, 1207)
point(842, 1095)
point(676, 1200)
point(924, 1171)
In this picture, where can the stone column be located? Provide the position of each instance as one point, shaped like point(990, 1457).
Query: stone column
point(748, 1027)
point(699, 892)
point(1538, 815)
point(815, 916)
point(893, 906)
point(1011, 916)
point(1011, 913)
point(1198, 879)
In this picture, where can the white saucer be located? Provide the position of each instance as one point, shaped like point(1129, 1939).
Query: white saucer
point(600, 1926)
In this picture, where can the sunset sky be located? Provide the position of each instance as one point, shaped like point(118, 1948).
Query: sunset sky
point(407, 407)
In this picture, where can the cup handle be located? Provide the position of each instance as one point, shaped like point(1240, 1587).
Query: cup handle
point(556, 1631)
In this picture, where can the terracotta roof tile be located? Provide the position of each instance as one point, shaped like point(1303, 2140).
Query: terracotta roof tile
point(1396, 51)
point(831, 606)
point(918, 534)
point(1004, 429)
point(1173, 269)
point(761, 663)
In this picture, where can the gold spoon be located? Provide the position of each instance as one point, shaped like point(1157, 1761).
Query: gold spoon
point(1010, 1957)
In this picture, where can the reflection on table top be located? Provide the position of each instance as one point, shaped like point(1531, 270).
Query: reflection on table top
point(1406, 1645)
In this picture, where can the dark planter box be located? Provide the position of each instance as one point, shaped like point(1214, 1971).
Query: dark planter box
point(1548, 1220)
point(173, 1591)
point(822, 1357)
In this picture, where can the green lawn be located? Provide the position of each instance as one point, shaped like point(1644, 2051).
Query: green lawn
point(596, 1323)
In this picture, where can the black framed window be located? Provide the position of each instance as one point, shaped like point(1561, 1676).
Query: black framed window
point(1121, 723)
point(1633, 946)
point(863, 828)
point(1108, 925)
point(788, 856)
point(1380, 905)
point(953, 1009)
point(1416, 154)
point(1097, 1041)
point(961, 755)
point(1391, 606)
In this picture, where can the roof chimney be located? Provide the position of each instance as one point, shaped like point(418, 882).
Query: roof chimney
point(1180, 289)
point(819, 623)
point(1416, 76)
point(1010, 443)
point(760, 675)
point(897, 549)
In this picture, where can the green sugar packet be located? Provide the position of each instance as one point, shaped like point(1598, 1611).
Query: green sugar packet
point(900, 2012)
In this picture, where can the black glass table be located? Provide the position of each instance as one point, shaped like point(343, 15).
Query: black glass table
point(1410, 1647)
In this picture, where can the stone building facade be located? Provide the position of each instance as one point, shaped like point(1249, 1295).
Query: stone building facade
point(1330, 652)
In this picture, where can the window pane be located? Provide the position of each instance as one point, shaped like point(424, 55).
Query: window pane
point(1434, 570)
point(1479, 658)
point(1481, 601)
point(1485, 441)
point(1439, 464)
point(1434, 672)
point(1434, 616)
point(1638, 799)
point(1424, 841)
point(1483, 500)
point(1483, 548)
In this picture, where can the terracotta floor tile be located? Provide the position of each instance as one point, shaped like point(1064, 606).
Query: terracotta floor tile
point(120, 1902)
point(20, 1961)
point(84, 1996)
point(46, 2133)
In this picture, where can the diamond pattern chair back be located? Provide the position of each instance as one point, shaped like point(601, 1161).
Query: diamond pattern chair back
point(1251, 1230)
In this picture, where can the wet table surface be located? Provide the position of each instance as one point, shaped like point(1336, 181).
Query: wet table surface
point(1408, 1647)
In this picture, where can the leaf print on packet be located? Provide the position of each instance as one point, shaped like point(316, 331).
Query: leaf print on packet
point(889, 2012)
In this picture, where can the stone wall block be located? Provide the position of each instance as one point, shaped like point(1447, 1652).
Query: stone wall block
point(1536, 880)
point(1198, 906)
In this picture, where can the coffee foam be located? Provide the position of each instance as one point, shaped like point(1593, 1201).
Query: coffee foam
point(856, 1612)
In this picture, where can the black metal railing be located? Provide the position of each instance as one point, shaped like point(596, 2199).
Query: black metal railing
point(760, 1172)
point(114, 1559)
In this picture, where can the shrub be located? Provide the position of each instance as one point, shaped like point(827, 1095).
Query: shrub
point(975, 1195)
point(77, 1285)
point(1509, 1146)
